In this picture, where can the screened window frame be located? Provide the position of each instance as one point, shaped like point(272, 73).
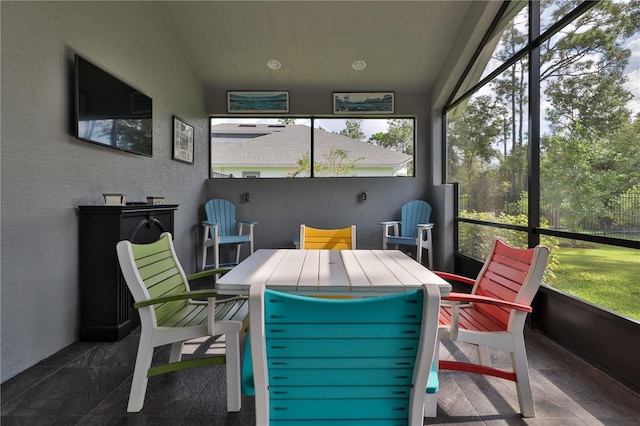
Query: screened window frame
point(312, 119)
point(532, 49)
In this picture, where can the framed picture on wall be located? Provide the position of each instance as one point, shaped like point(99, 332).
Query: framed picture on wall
point(363, 103)
point(275, 102)
point(182, 141)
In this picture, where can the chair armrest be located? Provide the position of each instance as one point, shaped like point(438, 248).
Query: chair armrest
point(241, 224)
point(385, 229)
point(201, 294)
point(456, 298)
point(389, 223)
point(454, 277)
point(208, 224)
point(177, 296)
point(463, 297)
point(207, 273)
point(422, 228)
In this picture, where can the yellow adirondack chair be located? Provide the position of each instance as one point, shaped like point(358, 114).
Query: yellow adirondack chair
point(332, 239)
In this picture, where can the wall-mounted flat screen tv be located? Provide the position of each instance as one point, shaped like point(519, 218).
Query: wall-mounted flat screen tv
point(111, 113)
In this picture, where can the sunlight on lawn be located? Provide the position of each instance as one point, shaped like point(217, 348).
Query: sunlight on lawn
point(604, 275)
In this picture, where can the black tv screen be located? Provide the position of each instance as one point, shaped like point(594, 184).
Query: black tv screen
point(111, 113)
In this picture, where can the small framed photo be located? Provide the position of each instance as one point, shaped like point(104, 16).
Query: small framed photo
point(182, 141)
point(363, 103)
point(273, 102)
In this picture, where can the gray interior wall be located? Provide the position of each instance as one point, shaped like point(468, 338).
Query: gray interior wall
point(443, 257)
point(281, 205)
point(46, 172)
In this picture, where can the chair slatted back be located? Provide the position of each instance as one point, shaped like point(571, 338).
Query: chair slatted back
point(162, 275)
point(511, 274)
point(332, 239)
point(341, 361)
point(222, 212)
point(413, 213)
point(168, 316)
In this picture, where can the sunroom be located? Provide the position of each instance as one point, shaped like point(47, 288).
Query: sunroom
point(524, 125)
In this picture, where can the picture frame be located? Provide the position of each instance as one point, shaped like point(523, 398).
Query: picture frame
point(183, 141)
point(363, 103)
point(246, 102)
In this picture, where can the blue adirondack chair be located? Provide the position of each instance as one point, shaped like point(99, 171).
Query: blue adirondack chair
point(221, 227)
point(340, 362)
point(413, 229)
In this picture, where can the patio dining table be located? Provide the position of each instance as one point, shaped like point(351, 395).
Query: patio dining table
point(330, 272)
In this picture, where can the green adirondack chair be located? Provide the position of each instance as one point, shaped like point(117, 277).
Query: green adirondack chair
point(170, 314)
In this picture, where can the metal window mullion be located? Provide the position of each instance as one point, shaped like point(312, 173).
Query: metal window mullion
point(312, 157)
point(476, 54)
point(533, 175)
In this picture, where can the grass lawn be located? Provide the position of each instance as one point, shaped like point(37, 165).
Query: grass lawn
point(604, 275)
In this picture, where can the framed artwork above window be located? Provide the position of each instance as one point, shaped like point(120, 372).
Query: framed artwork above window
point(363, 103)
point(263, 102)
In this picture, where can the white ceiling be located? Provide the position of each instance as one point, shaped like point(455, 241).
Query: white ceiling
point(228, 43)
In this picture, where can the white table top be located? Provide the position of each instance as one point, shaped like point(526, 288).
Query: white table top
point(335, 272)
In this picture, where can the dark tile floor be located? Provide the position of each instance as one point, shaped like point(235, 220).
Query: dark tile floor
point(88, 384)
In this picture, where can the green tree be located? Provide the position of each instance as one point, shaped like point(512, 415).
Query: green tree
point(584, 69)
point(302, 167)
point(571, 190)
point(591, 153)
point(353, 129)
point(511, 90)
point(591, 142)
point(335, 163)
point(287, 121)
point(398, 137)
point(472, 156)
point(596, 100)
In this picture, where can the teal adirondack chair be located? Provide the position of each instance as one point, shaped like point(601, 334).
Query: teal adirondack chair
point(220, 228)
point(341, 362)
point(413, 229)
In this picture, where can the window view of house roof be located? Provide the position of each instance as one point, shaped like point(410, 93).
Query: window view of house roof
point(276, 150)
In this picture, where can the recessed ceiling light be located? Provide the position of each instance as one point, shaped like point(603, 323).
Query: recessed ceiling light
point(359, 65)
point(274, 64)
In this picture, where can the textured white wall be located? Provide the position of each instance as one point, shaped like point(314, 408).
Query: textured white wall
point(46, 172)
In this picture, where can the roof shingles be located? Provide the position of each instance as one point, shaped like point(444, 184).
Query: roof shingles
point(286, 145)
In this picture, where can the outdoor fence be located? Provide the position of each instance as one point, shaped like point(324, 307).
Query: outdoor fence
point(622, 219)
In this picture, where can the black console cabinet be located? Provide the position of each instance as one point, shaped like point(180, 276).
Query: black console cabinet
point(106, 312)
